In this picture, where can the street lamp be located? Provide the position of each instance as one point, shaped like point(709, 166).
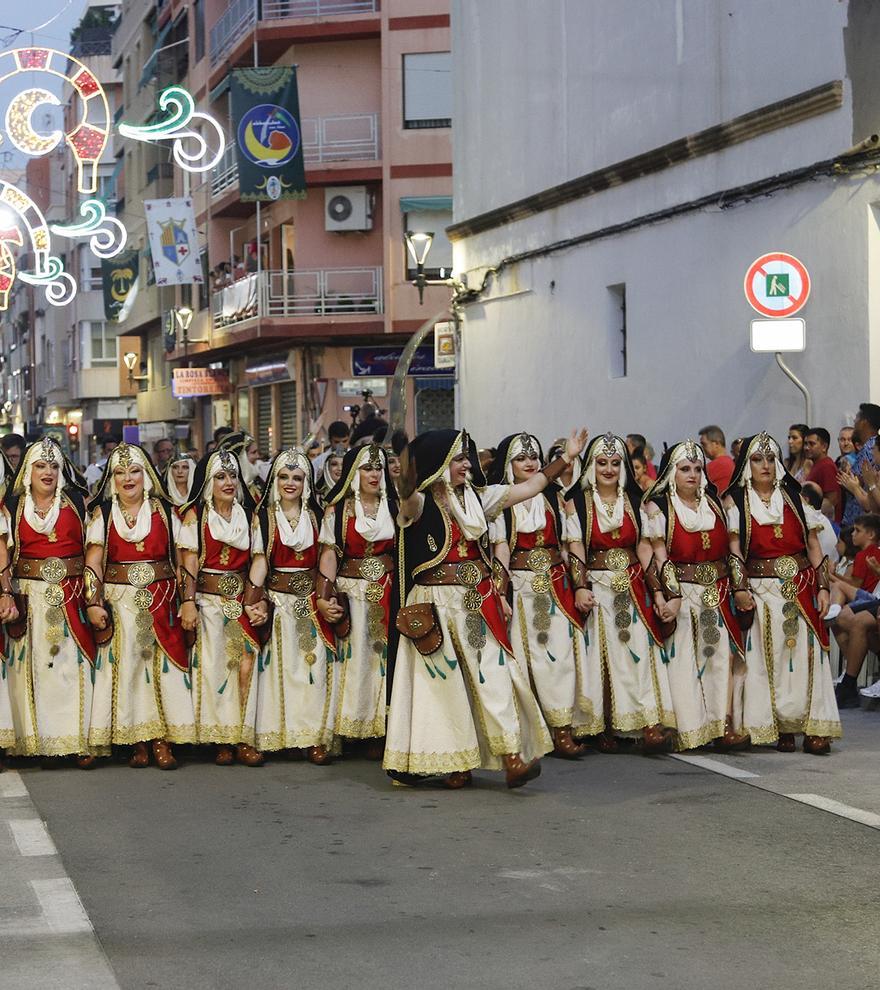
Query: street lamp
point(418, 245)
point(183, 318)
point(130, 358)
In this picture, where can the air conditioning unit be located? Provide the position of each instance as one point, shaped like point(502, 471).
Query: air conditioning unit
point(347, 208)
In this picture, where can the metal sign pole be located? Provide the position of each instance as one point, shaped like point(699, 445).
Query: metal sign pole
point(808, 402)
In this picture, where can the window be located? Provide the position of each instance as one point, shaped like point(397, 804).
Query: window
point(199, 25)
point(617, 356)
point(427, 90)
point(440, 255)
point(101, 345)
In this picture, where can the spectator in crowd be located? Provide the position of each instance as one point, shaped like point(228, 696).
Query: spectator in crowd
point(338, 435)
point(811, 495)
point(635, 441)
point(163, 451)
point(369, 423)
point(210, 447)
point(824, 471)
point(13, 445)
point(845, 442)
point(650, 466)
point(860, 585)
point(846, 552)
point(719, 464)
point(859, 475)
point(221, 432)
point(797, 463)
point(734, 448)
point(94, 471)
point(640, 468)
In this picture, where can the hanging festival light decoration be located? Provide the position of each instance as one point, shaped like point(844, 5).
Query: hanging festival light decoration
point(181, 111)
point(108, 234)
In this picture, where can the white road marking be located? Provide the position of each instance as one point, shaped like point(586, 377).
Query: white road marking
point(11, 785)
point(837, 808)
point(32, 838)
point(63, 911)
point(715, 766)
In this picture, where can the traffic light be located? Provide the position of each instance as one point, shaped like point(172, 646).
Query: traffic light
point(73, 432)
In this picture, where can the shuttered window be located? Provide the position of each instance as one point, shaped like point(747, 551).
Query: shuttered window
point(289, 431)
point(264, 419)
point(427, 90)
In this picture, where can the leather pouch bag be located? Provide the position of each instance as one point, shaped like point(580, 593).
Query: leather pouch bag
point(421, 624)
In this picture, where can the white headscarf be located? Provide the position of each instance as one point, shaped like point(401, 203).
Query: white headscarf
point(302, 536)
point(703, 518)
point(141, 529)
point(173, 493)
point(234, 532)
point(46, 450)
point(608, 446)
point(382, 527)
point(531, 515)
point(247, 472)
point(772, 514)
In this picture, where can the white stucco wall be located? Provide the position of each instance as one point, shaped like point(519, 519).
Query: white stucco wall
point(648, 71)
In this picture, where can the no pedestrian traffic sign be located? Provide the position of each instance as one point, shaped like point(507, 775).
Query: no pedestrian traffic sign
point(777, 285)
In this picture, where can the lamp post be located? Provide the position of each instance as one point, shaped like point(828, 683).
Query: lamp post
point(419, 244)
point(130, 358)
point(183, 318)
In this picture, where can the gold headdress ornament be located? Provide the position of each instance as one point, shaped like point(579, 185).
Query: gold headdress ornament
point(374, 457)
point(764, 445)
point(691, 451)
point(609, 445)
point(47, 450)
point(227, 461)
point(528, 448)
point(465, 442)
point(123, 455)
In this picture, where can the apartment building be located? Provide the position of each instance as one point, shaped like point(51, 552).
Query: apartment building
point(322, 307)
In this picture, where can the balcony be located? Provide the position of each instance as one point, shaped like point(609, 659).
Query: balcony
point(275, 294)
point(239, 19)
point(341, 138)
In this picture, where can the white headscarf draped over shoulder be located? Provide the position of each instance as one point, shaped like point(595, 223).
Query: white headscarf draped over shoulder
point(47, 450)
point(470, 517)
point(301, 536)
point(609, 446)
point(531, 515)
point(171, 484)
point(703, 518)
point(234, 532)
point(124, 456)
point(772, 514)
point(382, 527)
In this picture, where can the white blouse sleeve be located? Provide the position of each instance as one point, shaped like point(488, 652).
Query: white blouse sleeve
point(95, 529)
point(498, 530)
point(187, 537)
point(257, 547)
point(494, 500)
point(327, 536)
point(653, 527)
point(733, 519)
point(571, 529)
point(814, 518)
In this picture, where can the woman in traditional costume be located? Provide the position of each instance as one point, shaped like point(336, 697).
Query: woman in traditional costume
point(214, 548)
point(295, 696)
point(691, 583)
point(8, 612)
point(142, 694)
point(356, 575)
point(547, 629)
point(178, 479)
point(782, 579)
point(460, 699)
point(52, 647)
point(608, 557)
point(331, 472)
point(247, 454)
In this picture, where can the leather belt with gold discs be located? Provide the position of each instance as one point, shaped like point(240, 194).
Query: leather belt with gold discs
point(786, 569)
point(539, 561)
point(140, 575)
point(371, 570)
point(707, 573)
point(300, 584)
point(52, 570)
point(617, 560)
point(229, 586)
point(468, 573)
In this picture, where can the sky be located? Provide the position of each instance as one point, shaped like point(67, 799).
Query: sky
point(17, 24)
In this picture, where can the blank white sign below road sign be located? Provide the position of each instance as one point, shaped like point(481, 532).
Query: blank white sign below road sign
point(777, 335)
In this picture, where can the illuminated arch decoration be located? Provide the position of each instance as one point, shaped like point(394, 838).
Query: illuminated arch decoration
point(48, 272)
point(8, 235)
point(108, 235)
point(180, 111)
point(87, 140)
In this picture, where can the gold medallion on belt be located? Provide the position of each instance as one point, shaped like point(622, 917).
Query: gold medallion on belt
point(371, 568)
point(785, 568)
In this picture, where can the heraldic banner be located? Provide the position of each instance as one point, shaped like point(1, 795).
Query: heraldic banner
point(268, 146)
point(120, 276)
point(174, 245)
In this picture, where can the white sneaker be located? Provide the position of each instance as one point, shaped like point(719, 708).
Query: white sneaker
point(833, 612)
point(871, 692)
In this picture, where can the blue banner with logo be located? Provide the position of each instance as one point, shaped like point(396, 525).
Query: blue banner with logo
point(268, 137)
point(381, 362)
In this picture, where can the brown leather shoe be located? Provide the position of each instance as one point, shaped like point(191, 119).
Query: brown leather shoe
point(85, 761)
point(457, 779)
point(654, 740)
point(249, 756)
point(817, 745)
point(164, 755)
point(786, 742)
point(731, 740)
point(318, 755)
point(518, 771)
point(606, 743)
point(140, 756)
point(564, 745)
point(375, 749)
point(225, 756)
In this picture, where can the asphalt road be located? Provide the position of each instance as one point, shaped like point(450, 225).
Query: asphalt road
point(616, 872)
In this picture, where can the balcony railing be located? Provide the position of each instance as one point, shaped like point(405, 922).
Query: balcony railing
point(325, 292)
point(239, 18)
point(347, 137)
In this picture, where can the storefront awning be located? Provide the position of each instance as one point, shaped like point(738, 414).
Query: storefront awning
point(426, 204)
